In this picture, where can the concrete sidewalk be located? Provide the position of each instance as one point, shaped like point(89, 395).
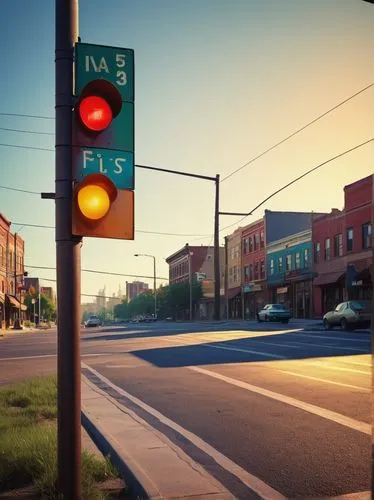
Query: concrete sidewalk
point(152, 466)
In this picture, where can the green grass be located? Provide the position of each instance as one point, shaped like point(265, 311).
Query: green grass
point(28, 442)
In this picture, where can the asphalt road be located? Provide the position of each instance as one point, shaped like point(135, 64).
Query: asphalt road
point(288, 405)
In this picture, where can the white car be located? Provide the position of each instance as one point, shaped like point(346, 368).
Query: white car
point(274, 312)
point(92, 322)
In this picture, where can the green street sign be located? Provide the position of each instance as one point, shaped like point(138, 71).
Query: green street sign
point(118, 166)
point(114, 64)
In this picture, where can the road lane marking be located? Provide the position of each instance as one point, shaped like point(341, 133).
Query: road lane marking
point(329, 346)
point(310, 408)
point(323, 380)
point(37, 356)
point(339, 368)
point(349, 339)
point(261, 353)
point(252, 482)
point(29, 357)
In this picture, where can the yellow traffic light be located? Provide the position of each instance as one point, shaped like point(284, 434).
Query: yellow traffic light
point(93, 202)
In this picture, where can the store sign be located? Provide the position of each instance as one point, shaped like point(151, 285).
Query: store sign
point(357, 283)
point(282, 290)
point(252, 287)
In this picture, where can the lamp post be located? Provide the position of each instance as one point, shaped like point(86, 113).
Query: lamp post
point(190, 254)
point(154, 277)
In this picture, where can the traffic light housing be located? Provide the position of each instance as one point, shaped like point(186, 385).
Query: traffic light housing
point(103, 142)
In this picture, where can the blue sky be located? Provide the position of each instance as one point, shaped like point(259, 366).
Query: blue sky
point(217, 83)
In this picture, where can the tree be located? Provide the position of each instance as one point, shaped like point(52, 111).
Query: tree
point(47, 307)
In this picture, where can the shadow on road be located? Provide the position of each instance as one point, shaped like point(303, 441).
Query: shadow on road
point(248, 350)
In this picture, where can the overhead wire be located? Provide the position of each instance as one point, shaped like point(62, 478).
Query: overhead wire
point(297, 179)
point(252, 160)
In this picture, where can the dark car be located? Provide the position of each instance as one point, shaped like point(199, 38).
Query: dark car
point(274, 312)
point(349, 315)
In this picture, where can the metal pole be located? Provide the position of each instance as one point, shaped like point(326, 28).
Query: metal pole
point(15, 325)
point(226, 278)
point(190, 279)
point(217, 283)
point(154, 285)
point(67, 263)
point(39, 306)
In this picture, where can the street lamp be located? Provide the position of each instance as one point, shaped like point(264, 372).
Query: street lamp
point(190, 254)
point(154, 277)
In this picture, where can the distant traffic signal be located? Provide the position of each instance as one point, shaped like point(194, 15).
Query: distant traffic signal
point(103, 142)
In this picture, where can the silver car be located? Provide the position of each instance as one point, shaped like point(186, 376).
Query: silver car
point(92, 322)
point(349, 315)
point(274, 312)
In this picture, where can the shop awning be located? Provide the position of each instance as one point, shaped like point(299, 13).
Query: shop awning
point(328, 278)
point(233, 292)
point(14, 302)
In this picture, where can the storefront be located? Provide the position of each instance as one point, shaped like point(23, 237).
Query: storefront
point(254, 295)
point(329, 291)
point(13, 311)
point(359, 283)
point(2, 310)
point(235, 303)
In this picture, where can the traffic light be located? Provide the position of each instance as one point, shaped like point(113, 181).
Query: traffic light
point(103, 142)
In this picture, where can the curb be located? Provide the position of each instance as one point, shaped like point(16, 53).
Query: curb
point(107, 449)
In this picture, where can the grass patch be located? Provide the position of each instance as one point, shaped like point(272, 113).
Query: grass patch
point(28, 442)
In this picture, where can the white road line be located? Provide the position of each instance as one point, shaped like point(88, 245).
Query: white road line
point(329, 346)
point(267, 354)
point(29, 357)
point(315, 410)
point(349, 362)
point(269, 343)
point(254, 483)
point(38, 356)
point(324, 380)
point(339, 368)
point(333, 338)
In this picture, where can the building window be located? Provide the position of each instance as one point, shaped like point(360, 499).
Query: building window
point(280, 264)
point(250, 272)
point(317, 252)
point(233, 253)
point(338, 245)
point(246, 246)
point(350, 239)
point(306, 258)
point(288, 263)
point(257, 271)
point(262, 239)
point(246, 273)
point(272, 266)
point(327, 249)
point(250, 244)
point(257, 241)
point(235, 274)
point(298, 260)
point(262, 269)
point(366, 235)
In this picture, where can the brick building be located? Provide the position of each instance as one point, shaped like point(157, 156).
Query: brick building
point(253, 268)
point(233, 282)
point(197, 263)
point(134, 289)
point(11, 275)
point(342, 244)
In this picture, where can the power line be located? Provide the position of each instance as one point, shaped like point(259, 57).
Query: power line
point(28, 116)
point(18, 146)
point(297, 179)
point(95, 271)
point(19, 190)
point(137, 231)
point(294, 133)
point(26, 131)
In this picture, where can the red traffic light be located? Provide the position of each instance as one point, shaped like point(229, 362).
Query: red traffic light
point(95, 113)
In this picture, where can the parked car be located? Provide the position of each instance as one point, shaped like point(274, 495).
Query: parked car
point(274, 312)
point(92, 321)
point(349, 315)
